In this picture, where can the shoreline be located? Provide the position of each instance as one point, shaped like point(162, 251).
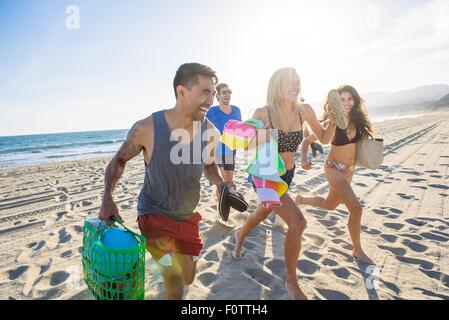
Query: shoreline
point(29, 166)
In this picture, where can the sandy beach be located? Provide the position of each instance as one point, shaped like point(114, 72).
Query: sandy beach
point(405, 228)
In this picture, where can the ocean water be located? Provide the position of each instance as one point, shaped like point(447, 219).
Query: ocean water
point(44, 148)
point(18, 151)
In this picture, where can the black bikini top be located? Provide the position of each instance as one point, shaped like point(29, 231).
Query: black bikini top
point(341, 138)
point(288, 141)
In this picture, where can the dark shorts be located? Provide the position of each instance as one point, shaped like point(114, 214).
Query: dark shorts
point(165, 235)
point(287, 177)
point(226, 161)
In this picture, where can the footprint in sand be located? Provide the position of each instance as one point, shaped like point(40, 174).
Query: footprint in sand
point(439, 276)
point(420, 187)
point(394, 226)
point(415, 246)
point(411, 173)
point(394, 250)
point(434, 237)
point(60, 215)
point(431, 293)
point(412, 236)
point(313, 255)
point(416, 180)
point(316, 240)
point(207, 278)
point(439, 186)
point(212, 256)
point(77, 229)
point(262, 277)
point(25, 255)
point(307, 267)
point(342, 273)
point(389, 237)
point(422, 263)
point(332, 294)
point(49, 286)
point(58, 277)
point(16, 273)
point(348, 257)
point(64, 236)
point(391, 286)
point(338, 232)
point(416, 222)
point(380, 212)
point(329, 262)
point(86, 203)
point(327, 223)
point(277, 266)
point(371, 231)
point(404, 196)
point(66, 254)
point(342, 243)
point(34, 274)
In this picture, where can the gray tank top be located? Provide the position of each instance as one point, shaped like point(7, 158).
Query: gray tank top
point(172, 189)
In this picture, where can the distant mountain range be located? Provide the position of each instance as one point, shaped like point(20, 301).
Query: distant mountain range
point(442, 103)
point(424, 98)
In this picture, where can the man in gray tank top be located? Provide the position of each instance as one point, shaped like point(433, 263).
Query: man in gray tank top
point(178, 147)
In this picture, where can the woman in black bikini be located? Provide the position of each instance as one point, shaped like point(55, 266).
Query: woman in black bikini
point(284, 114)
point(340, 164)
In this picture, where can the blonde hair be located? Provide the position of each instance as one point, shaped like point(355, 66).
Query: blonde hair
point(274, 97)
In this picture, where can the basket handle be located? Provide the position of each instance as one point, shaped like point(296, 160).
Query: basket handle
point(113, 218)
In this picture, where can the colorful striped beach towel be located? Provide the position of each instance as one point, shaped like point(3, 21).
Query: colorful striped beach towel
point(266, 166)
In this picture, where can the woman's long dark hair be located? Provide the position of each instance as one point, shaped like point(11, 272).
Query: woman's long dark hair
point(358, 114)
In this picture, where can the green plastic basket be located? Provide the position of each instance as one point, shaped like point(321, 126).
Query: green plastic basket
point(113, 274)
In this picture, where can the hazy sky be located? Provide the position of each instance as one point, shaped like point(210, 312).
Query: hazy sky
point(119, 65)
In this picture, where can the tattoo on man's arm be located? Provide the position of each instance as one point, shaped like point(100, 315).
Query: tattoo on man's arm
point(130, 148)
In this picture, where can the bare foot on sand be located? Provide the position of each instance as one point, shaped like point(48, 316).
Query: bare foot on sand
point(298, 200)
point(294, 292)
point(362, 257)
point(237, 253)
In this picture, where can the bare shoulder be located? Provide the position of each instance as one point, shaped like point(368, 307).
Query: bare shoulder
point(261, 114)
point(142, 130)
point(305, 109)
point(140, 137)
point(145, 124)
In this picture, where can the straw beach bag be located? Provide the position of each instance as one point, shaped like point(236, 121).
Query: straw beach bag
point(370, 153)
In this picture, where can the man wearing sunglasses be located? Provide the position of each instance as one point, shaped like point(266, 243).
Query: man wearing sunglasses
point(219, 116)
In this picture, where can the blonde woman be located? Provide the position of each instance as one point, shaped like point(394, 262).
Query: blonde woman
point(284, 114)
point(340, 165)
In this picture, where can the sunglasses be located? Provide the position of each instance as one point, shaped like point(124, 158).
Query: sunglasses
point(226, 92)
